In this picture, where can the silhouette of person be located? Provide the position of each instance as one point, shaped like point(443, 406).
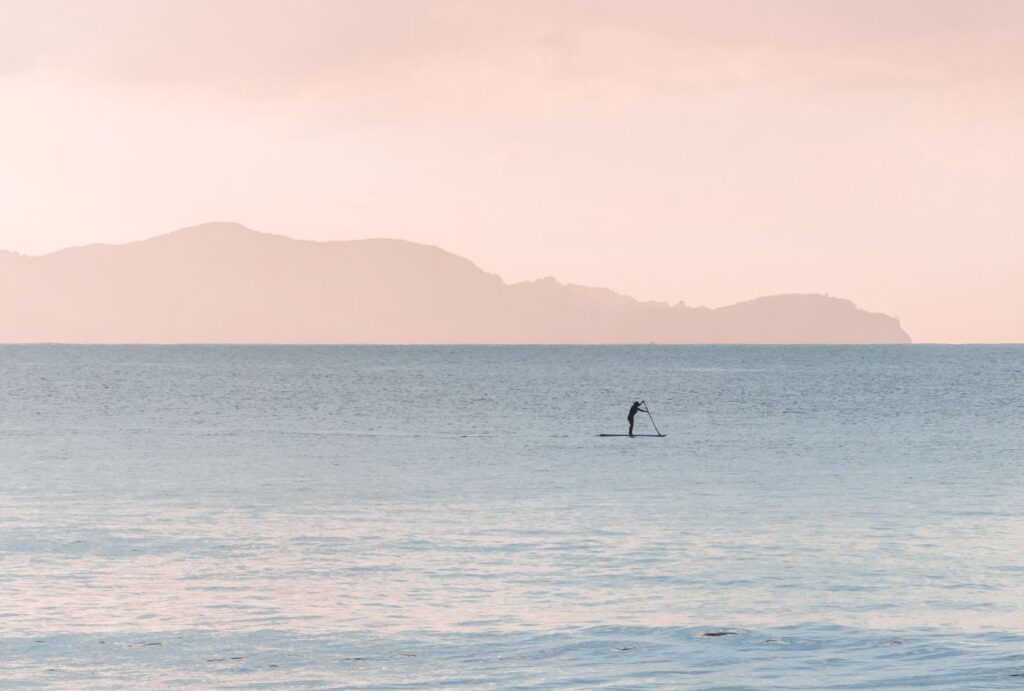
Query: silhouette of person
point(632, 413)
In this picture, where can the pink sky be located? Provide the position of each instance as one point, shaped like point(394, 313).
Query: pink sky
point(709, 152)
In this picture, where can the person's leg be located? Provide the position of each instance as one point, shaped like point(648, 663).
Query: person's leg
point(631, 428)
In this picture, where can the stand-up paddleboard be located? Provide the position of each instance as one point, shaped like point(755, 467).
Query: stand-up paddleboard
point(646, 410)
point(632, 435)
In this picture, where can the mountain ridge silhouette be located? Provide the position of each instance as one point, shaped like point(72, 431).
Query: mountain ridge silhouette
point(225, 283)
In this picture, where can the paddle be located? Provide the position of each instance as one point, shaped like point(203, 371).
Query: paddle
point(647, 410)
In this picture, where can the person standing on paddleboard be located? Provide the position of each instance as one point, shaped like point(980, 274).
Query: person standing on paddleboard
point(633, 409)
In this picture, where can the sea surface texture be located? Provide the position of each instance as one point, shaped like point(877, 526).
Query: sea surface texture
point(406, 517)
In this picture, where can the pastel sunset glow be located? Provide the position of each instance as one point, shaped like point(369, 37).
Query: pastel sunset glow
point(706, 152)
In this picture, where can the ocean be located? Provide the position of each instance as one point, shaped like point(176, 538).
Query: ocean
point(447, 517)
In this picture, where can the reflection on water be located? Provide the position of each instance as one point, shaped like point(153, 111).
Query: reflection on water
point(348, 516)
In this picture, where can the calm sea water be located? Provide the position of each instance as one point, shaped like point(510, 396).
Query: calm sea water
point(381, 517)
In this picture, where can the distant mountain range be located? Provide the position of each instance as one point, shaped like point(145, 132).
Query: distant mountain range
point(224, 283)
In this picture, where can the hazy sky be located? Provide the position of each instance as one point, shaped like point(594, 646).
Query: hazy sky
point(708, 152)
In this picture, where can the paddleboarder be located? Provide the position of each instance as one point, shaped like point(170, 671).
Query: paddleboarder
point(633, 410)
